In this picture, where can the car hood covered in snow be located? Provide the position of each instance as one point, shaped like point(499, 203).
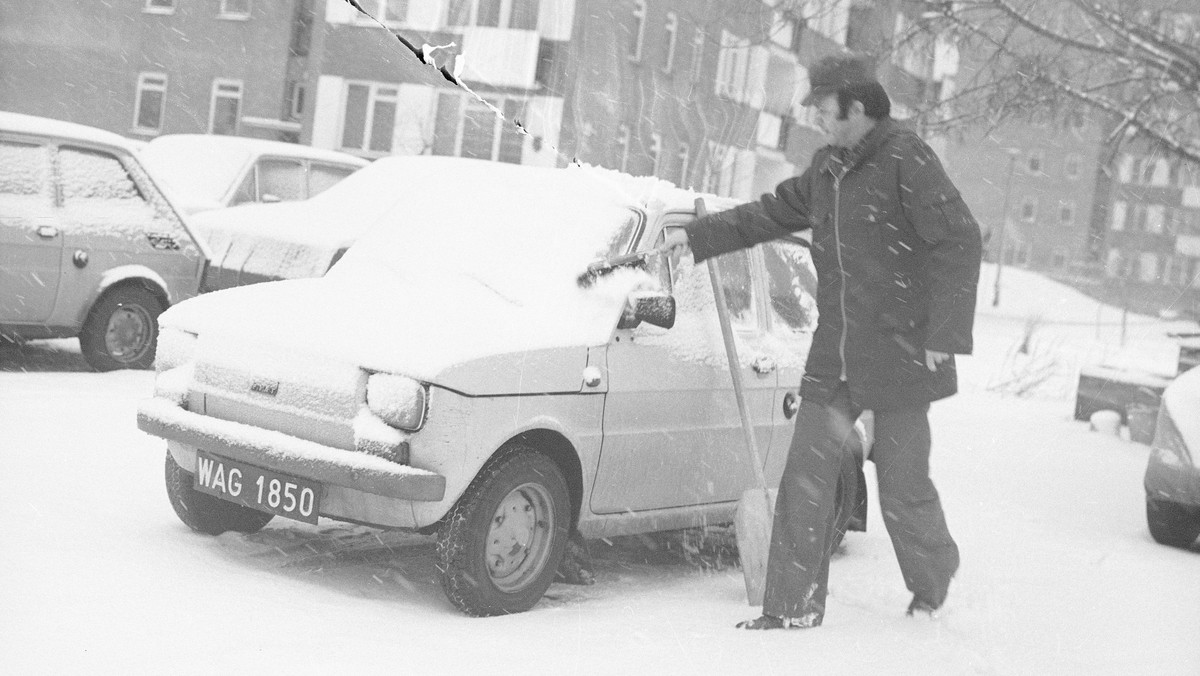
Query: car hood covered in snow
point(478, 263)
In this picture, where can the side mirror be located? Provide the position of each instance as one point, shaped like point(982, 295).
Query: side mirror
point(655, 309)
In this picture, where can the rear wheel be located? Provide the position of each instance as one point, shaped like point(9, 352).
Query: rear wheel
point(1172, 523)
point(205, 513)
point(121, 330)
point(500, 546)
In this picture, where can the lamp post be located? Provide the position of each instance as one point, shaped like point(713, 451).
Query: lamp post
point(1012, 163)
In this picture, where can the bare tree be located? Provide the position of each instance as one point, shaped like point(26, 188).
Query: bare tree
point(1137, 62)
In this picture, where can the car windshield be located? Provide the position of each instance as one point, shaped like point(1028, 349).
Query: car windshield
point(193, 167)
point(542, 227)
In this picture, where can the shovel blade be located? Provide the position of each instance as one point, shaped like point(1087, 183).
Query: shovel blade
point(755, 516)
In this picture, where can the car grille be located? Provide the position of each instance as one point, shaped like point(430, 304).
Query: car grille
point(308, 398)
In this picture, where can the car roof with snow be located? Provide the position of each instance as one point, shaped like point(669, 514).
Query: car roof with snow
point(44, 126)
point(184, 143)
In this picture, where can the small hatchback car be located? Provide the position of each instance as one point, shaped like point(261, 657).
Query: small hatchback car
point(206, 171)
point(454, 374)
point(89, 245)
point(1173, 472)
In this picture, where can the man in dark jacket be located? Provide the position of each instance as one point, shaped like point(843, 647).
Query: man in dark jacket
point(897, 255)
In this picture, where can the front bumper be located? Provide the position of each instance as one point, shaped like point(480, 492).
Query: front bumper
point(332, 467)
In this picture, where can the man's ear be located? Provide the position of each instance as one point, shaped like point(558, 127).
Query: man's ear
point(857, 109)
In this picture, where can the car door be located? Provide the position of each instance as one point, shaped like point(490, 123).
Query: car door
point(791, 285)
point(671, 433)
point(31, 241)
point(111, 219)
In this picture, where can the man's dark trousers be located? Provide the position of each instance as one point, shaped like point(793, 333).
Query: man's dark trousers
point(803, 533)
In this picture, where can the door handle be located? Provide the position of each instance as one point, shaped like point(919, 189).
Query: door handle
point(791, 405)
point(47, 231)
point(763, 365)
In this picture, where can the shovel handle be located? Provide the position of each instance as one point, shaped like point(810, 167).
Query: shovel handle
point(734, 364)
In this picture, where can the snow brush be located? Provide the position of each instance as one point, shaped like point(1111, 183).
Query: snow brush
point(604, 266)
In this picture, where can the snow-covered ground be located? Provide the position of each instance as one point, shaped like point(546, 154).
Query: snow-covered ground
point(1059, 575)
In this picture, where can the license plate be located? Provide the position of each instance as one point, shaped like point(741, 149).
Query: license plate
point(258, 488)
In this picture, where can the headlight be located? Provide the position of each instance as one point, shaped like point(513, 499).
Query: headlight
point(397, 400)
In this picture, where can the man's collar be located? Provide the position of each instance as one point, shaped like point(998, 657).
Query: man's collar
point(841, 160)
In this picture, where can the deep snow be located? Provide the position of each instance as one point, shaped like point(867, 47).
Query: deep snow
point(1059, 574)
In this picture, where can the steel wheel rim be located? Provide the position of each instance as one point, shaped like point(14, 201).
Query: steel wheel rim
point(518, 537)
point(127, 336)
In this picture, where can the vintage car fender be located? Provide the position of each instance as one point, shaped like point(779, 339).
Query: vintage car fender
point(123, 273)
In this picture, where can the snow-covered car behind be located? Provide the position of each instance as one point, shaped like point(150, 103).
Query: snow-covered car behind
point(1173, 473)
point(450, 375)
point(295, 240)
point(207, 171)
point(89, 244)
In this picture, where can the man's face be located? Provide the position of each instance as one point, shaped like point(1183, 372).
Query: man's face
point(837, 132)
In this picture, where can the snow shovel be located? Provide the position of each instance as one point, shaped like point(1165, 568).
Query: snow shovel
point(756, 508)
point(603, 267)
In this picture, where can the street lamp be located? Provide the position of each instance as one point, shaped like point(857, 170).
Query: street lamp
point(1012, 163)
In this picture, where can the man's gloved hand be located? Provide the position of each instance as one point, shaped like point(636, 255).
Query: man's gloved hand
point(675, 242)
point(933, 359)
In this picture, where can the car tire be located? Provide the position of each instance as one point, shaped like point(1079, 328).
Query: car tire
point(121, 330)
point(1171, 523)
point(501, 544)
point(205, 513)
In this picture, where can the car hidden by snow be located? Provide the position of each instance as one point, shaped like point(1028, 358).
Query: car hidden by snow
point(1172, 479)
point(451, 376)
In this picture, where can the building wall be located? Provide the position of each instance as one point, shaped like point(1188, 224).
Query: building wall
point(79, 61)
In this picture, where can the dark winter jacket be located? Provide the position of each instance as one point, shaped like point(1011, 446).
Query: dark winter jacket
point(897, 255)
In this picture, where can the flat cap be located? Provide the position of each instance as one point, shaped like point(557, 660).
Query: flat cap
point(834, 72)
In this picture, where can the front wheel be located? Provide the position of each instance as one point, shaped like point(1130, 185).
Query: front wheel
point(1171, 523)
point(500, 546)
point(121, 330)
point(205, 513)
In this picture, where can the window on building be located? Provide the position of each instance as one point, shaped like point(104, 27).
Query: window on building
point(655, 151)
point(1059, 258)
point(1117, 222)
point(1148, 270)
point(1033, 163)
point(1125, 169)
point(637, 33)
point(296, 99)
point(467, 127)
point(623, 146)
point(369, 117)
point(518, 14)
point(234, 9)
point(1145, 170)
point(1161, 175)
point(699, 39)
point(683, 159)
point(1137, 218)
point(732, 64)
point(1029, 209)
point(1155, 215)
point(225, 108)
point(151, 97)
point(670, 33)
point(159, 6)
point(1071, 167)
point(1066, 213)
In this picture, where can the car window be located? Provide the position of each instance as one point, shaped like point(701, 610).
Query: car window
point(282, 178)
point(625, 236)
point(99, 194)
point(322, 177)
point(92, 176)
point(247, 191)
point(738, 285)
point(24, 173)
point(791, 286)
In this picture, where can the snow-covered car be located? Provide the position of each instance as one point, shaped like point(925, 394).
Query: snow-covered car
point(452, 375)
point(208, 171)
point(1173, 471)
point(294, 240)
point(89, 245)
